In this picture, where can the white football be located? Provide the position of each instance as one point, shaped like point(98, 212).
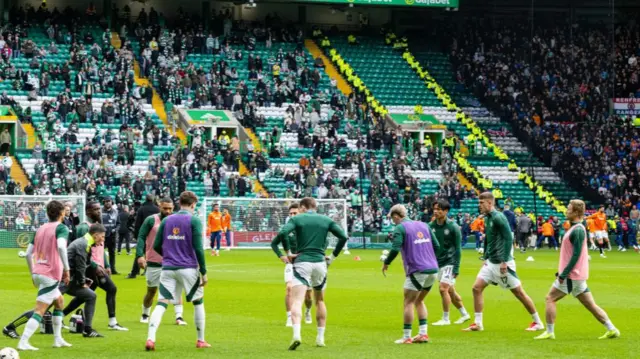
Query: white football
point(9, 353)
point(481, 250)
point(383, 258)
point(385, 252)
point(22, 254)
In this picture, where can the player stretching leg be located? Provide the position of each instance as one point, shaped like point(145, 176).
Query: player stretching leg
point(499, 267)
point(48, 265)
point(152, 261)
point(179, 241)
point(450, 239)
point(418, 246)
point(573, 274)
point(288, 275)
point(310, 264)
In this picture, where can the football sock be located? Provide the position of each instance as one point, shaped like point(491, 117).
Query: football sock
point(146, 311)
point(601, 247)
point(179, 310)
point(536, 318)
point(154, 322)
point(57, 324)
point(478, 319)
point(445, 316)
point(288, 314)
point(463, 311)
point(113, 321)
point(423, 327)
point(296, 331)
point(199, 319)
point(321, 333)
point(550, 328)
point(609, 325)
point(21, 320)
point(406, 331)
point(31, 327)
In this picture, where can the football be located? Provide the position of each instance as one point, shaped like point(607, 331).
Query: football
point(481, 250)
point(383, 258)
point(9, 353)
point(385, 252)
point(22, 254)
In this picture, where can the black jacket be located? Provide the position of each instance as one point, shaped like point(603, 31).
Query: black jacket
point(123, 218)
point(79, 254)
point(147, 209)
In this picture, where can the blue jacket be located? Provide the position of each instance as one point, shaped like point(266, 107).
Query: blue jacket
point(511, 218)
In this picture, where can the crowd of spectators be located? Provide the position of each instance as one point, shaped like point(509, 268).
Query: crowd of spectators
point(554, 85)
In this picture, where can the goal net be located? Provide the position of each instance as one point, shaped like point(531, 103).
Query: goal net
point(255, 221)
point(22, 215)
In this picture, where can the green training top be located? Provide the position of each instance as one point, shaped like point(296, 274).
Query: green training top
point(81, 230)
point(577, 239)
point(450, 239)
point(196, 239)
point(399, 235)
point(311, 230)
point(499, 239)
point(141, 246)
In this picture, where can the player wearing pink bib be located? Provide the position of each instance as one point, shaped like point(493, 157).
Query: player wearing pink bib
point(48, 264)
point(573, 273)
point(152, 261)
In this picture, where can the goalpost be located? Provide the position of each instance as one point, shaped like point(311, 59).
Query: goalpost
point(255, 221)
point(22, 215)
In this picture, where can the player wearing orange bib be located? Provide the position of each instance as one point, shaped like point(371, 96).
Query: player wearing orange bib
point(600, 230)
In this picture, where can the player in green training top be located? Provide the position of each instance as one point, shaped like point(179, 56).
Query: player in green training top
point(572, 275)
point(289, 245)
point(499, 267)
point(450, 238)
point(310, 263)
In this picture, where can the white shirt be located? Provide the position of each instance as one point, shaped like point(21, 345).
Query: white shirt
point(7, 162)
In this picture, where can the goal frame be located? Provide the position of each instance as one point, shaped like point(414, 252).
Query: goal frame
point(206, 202)
point(78, 199)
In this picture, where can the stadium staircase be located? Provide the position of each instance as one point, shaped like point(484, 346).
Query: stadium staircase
point(376, 79)
point(501, 132)
point(329, 69)
point(17, 173)
point(391, 79)
point(31, 134)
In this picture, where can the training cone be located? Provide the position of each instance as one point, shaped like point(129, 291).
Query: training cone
point(356, 258)
point(530, 259)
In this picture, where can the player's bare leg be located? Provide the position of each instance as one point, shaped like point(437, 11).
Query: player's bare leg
point(297, 297)
point(445, 294)
point(478, 305)
point(410, 298)
point(147, 302)
point(550, 313)
point(321, 315)
point(287, 304)
point(524, 298)
point(308, 303)
point(587, 300)
point(421, 309)
point(456, 299)
point(601, 247)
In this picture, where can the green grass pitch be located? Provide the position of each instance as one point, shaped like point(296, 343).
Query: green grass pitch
point(245, 312)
